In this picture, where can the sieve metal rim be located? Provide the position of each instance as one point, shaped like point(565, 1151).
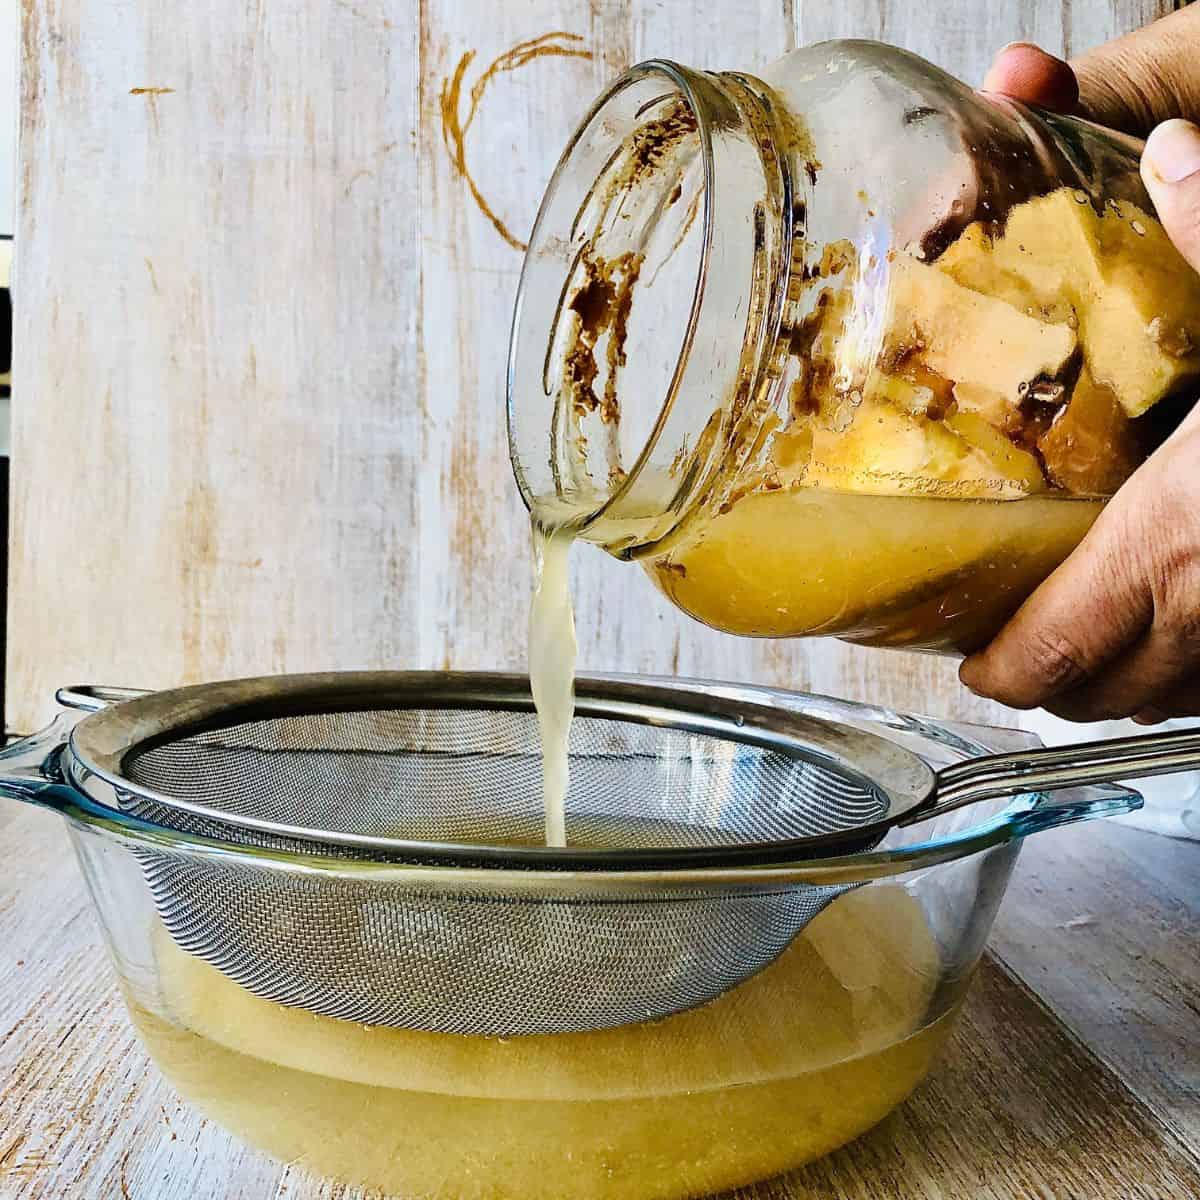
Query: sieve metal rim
point(101, 744)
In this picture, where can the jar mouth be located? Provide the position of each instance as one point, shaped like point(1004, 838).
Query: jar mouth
point(647, 281)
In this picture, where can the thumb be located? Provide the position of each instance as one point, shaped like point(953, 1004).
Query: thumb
point(1171, 172)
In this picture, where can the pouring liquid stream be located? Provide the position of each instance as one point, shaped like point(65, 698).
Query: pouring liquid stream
point(552, 653)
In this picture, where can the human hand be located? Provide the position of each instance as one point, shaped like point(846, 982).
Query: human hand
point(1115, 631)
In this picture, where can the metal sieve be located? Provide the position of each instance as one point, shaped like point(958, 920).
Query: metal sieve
point(429, 785)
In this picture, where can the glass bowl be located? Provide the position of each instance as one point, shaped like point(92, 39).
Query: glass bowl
point(802, 1057)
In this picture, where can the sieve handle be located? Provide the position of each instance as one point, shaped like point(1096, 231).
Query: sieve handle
point(92, 697)
point(1060, 767)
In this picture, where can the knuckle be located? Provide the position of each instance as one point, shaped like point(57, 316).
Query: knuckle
point(1056, 662)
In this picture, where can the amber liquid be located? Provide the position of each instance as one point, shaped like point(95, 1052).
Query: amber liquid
point(796, 1061)
point(924, 572)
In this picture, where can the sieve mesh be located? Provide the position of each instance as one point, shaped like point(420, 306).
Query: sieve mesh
point(454, 918)
point(475, 952)
point(474, 776)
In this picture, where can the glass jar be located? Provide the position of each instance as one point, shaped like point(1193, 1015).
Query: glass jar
point(845, 349)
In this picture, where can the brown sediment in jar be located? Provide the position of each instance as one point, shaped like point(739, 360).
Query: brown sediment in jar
point(602, 304)
point(603, 298)
point(650, 143)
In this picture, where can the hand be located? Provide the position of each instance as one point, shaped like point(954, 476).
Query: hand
point(1115, 631)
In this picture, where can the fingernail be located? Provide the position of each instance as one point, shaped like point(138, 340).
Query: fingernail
point(1173, 150)
point(1029, 46)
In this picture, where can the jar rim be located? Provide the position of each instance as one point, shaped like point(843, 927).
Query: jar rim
point(718, 105)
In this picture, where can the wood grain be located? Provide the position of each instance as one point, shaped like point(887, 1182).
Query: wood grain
point(260, 333)
point(1104, 921)
point(219, 439)
point(1035, 1097)
point(1016, 1109)
point(261, 325)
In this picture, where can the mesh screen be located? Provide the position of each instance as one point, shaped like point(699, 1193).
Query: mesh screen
point(498, 959)
point(474, 776)
point(471, 961)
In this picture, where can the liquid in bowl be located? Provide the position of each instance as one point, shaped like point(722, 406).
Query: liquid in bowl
point(801, 1058)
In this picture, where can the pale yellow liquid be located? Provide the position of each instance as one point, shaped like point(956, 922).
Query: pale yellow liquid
point(796, 1061)
point(552, 652)
point(920, 571)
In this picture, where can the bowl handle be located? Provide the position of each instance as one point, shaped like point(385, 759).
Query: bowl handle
point(29, 769)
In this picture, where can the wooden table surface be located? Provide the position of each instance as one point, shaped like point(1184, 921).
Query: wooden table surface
point(1074, 1073)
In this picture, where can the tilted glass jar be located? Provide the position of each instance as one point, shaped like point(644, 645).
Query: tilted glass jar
point(847, 348)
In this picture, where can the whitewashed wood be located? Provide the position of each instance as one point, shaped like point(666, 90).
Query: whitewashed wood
point(1103, 921)
point(261, 328)
point(8, 127)
point(964, 37)
point(220, 436)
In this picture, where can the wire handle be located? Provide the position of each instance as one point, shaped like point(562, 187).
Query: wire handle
point(92, 697)
point(1058, 767)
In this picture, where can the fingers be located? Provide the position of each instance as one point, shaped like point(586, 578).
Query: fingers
point(1182, 702)
point(1115, 631)
point(1132, 83)
point(1155, 676)
point(1083, 617)
point(1171, 173)
point(1146, 77)
point(1027, 73)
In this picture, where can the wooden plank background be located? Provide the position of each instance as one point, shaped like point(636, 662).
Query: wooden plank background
point(261, 324)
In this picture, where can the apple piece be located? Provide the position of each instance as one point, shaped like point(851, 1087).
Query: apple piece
point(1117, 276)
point(889, 451)
point(990, 350)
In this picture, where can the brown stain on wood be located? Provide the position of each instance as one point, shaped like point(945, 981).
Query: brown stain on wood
point(123, 1176)
point(9, 1154)
point(367, 172)
point(199, 549)
point(455, 125)
point(151, 95)
point(362, 15)
point(31, 119)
